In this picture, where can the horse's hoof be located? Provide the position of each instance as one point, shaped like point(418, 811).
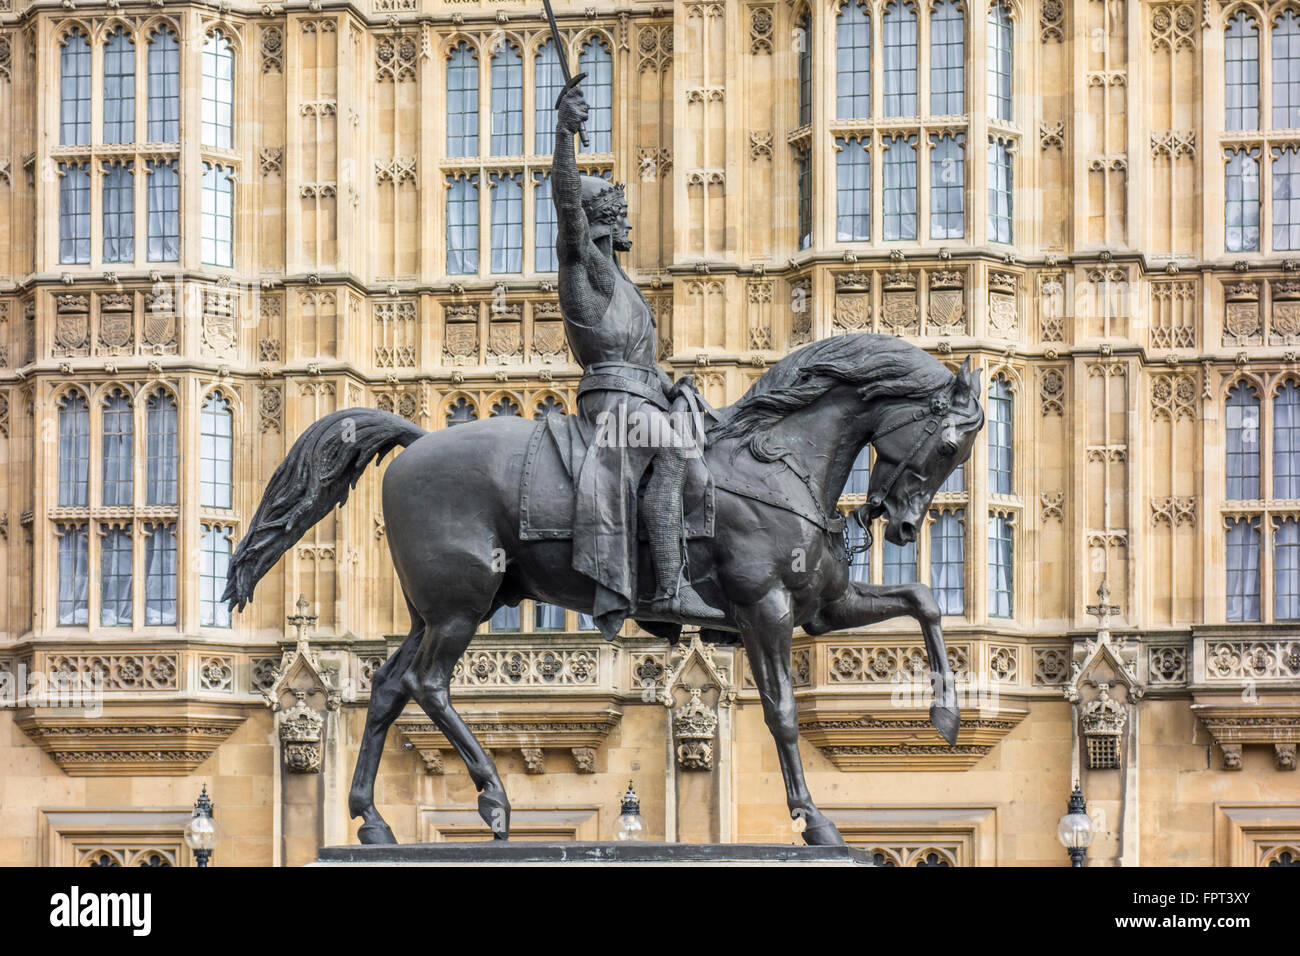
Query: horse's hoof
point(495, 812)
point(822, 834)
point(946, 720)
point(376, 833)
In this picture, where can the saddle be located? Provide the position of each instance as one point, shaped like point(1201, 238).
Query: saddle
point(556, 451)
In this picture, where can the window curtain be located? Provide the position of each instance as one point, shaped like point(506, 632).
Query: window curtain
point(74, 576)
point(598, 90)
point(74, 451)
point(948, 562)
point(900, 189)
point(507, 223)
point(1241, 210)
point(853, 190)
point(547, 82)
point(74, 90)
point(160, 451)
point(1000, 567)
point(507, 102)
point(163, 213)
point(1286, 571)
point(900, 60)
point(947, 188)
point(118, 445)
point(119, 213)
point(1242, 444)
point(547, 225)
point(119, 89)
point(947, 60)
point(74, 214)
point(115, 579)
point(505, 619)
point(160, 576)
point(549, 617)
point(164, 88)
point(1243, 569)
point(900, 563)
point(852, 66)
point(1286, 442)
point(462, 225)
point(860, 475)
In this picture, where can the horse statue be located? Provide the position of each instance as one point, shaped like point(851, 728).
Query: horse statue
point(776, 559)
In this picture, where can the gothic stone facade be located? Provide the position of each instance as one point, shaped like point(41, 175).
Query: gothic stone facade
point(292, 214)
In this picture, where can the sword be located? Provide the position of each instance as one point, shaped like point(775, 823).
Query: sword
point(570, 80)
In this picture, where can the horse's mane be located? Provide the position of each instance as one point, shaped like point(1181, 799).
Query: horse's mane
point(882, 366)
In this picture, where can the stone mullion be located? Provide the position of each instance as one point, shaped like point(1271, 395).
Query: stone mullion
point(977, 142)
point(351, 85)
point(822, 150)
point(46, 191)
point(1210, 168)
point(294, 253)
point(190, 166)
point(429, 179)
point(190, 390)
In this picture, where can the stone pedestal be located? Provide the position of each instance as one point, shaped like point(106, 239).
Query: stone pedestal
point(504, 853)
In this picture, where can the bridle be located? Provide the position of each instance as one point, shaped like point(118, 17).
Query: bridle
point(939, 407)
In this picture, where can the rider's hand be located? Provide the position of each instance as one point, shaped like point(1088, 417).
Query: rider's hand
point(572, 111)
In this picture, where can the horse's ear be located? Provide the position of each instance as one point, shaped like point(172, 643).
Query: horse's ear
point(975, 381)
point(963, 376)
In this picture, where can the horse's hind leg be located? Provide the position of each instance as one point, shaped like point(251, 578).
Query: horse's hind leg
point(429, 682)
point(388, 697)
point(766, 629)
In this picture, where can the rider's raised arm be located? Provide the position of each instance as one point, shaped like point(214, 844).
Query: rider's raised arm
point(572, 233)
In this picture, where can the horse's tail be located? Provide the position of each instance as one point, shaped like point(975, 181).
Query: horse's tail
point(322, 467)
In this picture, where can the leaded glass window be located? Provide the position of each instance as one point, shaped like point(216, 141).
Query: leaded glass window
point(852, 66)
point(74, 213)
point(947, 59)
point(118, 449)
point(548, 80)
point(507, 223)
point(119, 88)
point(1001, 569)
point(507, 101)
point(1286, 441)
point(1241, 72)
point(999, 62)
point(899, 562)
point(216, 449)
point(217, 218)
point(214, 566)
point(119, 212)
point(899, 173)
point(598, 90)
point(852, 190)
point(1241, 201)
point(164, 226)
point(948, 561)
point(74, 575)
point(1286, 570)
point(160, 449)
point(74, 451)
point(115, 577)
point(1241, 415)
point(160, 574)
point(546, 225)
point(462, 101)
point(1000, 194)
point(900, 59)
point(1243, 569)
point(164, 88)
point(1001, 436)
point(74, 90)
point(462, 225)
point(948, 187)
point(218, 92)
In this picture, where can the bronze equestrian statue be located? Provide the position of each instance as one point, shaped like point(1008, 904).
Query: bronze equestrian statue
point(772, 558)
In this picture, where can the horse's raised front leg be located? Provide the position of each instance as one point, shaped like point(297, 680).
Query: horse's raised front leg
point(387, 699)
point(863, 604)
point(765, 629)
point(429, 682)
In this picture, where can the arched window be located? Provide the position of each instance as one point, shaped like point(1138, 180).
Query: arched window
point(546, 226)
point(598, 90)
point(1241, 200)
point(1001, 436)
point(217, 222)
point(115, 577)
point(899, 174)
point(1241, 419)
point(1286, 570)
point(948, 561)
point(505, 407)
point(852, 190)
point(461, 411)
point(164, 221)
point(548, 80)
point(947, 186)
point(803, 44)
point(507, 101)
point(900, 59)
point(1241, 72)
point(74, 90)
point(119, 88)
point(462, 225)
point(118, 449)
point(214, 566)
point(119, 211)
point(548, 406)
point(999, 62)
point(852, 65)
point(216, 450)
point(1243, 569)
point(947, 59)
point(507, 222)
point(160, 449)
point(1286, 70)
point(164, 88)
point(462, 101)
point(218, 92)
point(74, 213)
point(1286, 442)
point(74, 450)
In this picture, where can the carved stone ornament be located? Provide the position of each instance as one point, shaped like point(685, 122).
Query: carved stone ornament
point(1103, 722)
point(694, 725)
point(300, 736)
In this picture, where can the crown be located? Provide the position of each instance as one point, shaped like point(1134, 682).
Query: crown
point(607, 205)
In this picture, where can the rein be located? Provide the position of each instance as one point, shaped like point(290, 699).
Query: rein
point(939, 406)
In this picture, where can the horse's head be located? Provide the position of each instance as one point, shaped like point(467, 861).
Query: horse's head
point(918, 443)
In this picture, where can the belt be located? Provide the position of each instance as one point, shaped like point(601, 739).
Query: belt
point(623, 377)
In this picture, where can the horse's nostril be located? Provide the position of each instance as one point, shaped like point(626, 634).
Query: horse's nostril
point(909, 531)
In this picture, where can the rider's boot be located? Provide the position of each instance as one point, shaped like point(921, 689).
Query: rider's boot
point(663, 518)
